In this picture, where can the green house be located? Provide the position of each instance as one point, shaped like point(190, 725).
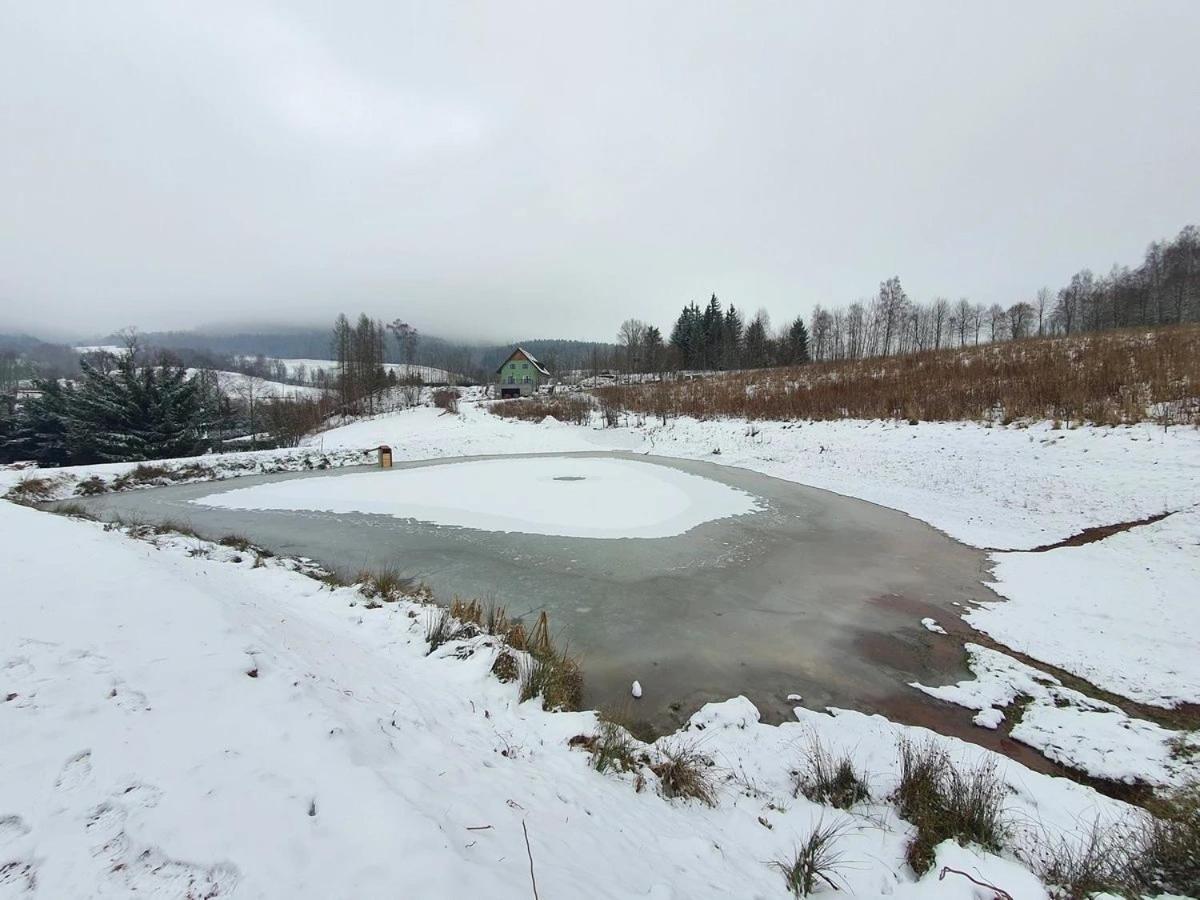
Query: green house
point(521, 374)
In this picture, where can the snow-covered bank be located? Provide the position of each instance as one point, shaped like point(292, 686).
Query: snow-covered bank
point(177, 724)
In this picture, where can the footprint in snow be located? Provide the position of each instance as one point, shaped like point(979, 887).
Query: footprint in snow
point(21, 875)
point(11, 828)
point(75, 771)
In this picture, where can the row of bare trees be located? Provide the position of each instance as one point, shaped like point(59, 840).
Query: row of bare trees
point(1163, 290)
point(359, 351)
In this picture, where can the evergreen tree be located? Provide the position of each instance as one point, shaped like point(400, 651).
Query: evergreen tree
point(756, 353)
point(796, 343)
point(687, 335)
point(39, 431)
point(712, 325)
point(731, 340)
point(653, 344)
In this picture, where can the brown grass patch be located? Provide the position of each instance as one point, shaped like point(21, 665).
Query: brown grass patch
point(1107, 379)
point(573, 408)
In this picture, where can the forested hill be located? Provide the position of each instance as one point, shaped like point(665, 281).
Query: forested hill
point(473, 360)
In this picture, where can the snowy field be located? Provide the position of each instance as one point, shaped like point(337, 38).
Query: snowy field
point(136, 716)
point(591, 498)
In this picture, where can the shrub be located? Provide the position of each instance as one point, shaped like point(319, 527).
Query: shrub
point(446, 399)
point(684, 772)
point(816, 860)
point(943, 802)
point(829, 779)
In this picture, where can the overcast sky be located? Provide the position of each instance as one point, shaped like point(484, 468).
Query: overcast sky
point(504, 169)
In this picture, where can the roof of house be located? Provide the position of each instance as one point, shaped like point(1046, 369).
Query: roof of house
point(529, 356)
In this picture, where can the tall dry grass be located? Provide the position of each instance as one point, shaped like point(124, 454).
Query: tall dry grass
point(1108, 378)
point(573, 408)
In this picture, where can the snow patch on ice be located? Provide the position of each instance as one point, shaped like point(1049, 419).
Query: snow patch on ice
point(587, 498)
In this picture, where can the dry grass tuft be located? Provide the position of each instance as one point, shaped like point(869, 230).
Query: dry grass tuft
point(1167, 855)
point(91, 486)
point(74, 510)
point(815, 862)
point(685, 772)
point(1107, 379)
point(236, 542)
point(387, 585)
point(943, 802)
point(547, 671)
point(613, 749)
point(467, 612)
point(829, 779)
point(34, 489)
point(506, 668)
point(439, 627)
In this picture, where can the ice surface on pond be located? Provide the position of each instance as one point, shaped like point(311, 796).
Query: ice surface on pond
point(593, 498)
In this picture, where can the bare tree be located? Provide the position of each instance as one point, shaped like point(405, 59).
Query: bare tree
point(631, 336)
point(1020, 316)
point(1044, 298)
point(941, 313)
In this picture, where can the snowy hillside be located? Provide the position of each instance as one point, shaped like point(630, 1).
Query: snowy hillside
point(239, 385)
point(428, 374)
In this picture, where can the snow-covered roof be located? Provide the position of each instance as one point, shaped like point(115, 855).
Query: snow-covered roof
point(529, 356)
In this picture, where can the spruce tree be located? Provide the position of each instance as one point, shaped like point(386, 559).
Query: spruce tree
point(40, 429)
point(797, 342)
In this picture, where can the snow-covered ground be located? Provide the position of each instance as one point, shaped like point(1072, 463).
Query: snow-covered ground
point(138, 734)
point(592, 498)
point(180, 721)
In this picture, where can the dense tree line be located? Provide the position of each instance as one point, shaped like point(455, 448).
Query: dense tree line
point(117, 411)
point(1163, 290)
point(711, 337)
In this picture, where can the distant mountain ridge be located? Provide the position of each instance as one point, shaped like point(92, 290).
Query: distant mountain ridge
point(474, 360)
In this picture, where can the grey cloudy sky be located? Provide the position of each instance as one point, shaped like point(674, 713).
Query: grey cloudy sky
point(513, 169)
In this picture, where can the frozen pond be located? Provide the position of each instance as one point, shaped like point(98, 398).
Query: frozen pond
point(560, 496)
point(737, 582)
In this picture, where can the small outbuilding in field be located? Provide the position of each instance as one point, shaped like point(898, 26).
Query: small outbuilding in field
point(521, 374)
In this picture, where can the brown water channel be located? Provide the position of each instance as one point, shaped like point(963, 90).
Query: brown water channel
point(813, 595)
